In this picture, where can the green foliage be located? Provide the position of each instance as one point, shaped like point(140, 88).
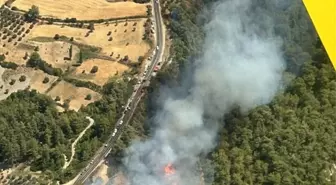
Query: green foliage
point(141, 59)
point(22, 78)
point(57, 98)
point(57, 36)
point(33, 130)
point(87, 84)
point(94, 69)
point(2, 57)
point(80, 60)
point(45, 80)
point(36, 61)
point(12, 82)
point(9, 65)
point(141, 1)
point(32, 14)
point(289, 141)
point(88, 97)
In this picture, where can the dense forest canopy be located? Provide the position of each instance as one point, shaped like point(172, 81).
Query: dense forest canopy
point(33, 131)
point(289, 141)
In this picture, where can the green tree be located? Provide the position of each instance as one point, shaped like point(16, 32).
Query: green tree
point(88, 97)
point(2, 57)
point(32, 14)
point(94, 69)
point(22, 78)
point(80, 60)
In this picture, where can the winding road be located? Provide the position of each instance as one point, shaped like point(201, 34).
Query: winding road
point(73, 145)
point(134, 100)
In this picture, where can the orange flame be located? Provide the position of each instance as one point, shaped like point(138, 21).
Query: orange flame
point(169, 169)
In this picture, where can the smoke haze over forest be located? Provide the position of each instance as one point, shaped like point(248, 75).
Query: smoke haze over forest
point(241, 66)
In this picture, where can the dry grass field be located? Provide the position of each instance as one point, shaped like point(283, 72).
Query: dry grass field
point(106, 69)
point(126, 38)
point(83, 10)
point(76, 95)
point(34, 79)
point(52, 52)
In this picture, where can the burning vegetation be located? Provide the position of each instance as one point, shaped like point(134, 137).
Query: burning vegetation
point(170, 172)
point(169, 169)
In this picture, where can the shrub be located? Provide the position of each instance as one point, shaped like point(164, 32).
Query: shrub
point(66, 104)
point(88, 97)
point(56, 37)
point(91, 27)
point(45, 80)
point(57, 98)
point(22, 78)
point(9, 65)
point(141, 59)
point(2, 57)
point(14, 8)
point(32, 14)
point(12, 82)
point(6, 91)
point(94, 69)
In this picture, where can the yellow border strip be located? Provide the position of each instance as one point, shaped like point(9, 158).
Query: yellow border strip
point(323, 15)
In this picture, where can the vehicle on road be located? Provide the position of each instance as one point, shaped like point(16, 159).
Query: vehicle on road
point(157, 47)
point(105, 145)
point(156, 68)
point(121, 122)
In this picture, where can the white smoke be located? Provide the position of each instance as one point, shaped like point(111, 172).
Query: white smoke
point(241, 66)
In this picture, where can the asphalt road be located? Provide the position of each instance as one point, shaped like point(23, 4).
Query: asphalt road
point(134, 100)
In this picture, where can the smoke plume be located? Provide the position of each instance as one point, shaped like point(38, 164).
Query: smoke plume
point(241, 66)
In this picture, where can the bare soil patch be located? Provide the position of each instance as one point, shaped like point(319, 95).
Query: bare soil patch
point(116, 39)
point(88, 10)
point(106, 70)
point(76, 95)
point(102, 173)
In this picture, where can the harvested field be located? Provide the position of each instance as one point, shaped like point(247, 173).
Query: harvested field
point(88, 10)
point(106, 70)
point(123, 43)
point(55, 53)
point(34, 79)
point(76, 95)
